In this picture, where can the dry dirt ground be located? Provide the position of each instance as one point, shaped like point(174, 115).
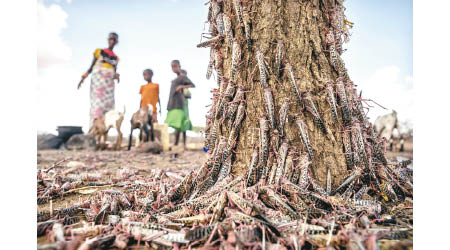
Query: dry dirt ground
point(114, 162)
point(117, 160)
point(193, 157)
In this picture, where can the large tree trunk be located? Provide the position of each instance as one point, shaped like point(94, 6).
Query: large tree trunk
point(301, 26)
point(286, 123)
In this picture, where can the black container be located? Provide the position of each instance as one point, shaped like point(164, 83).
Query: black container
point(65, 132)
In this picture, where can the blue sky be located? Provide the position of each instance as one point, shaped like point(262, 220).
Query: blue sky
point(152, 33)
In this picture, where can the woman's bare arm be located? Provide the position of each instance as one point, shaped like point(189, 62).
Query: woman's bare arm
point(116, 75)
point(85, 75)
point(92, 65)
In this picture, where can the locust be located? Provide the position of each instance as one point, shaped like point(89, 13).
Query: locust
point(218, 209)
point(220, 24)
point(270, 106)
point(264, 143)
point(378, 152)
point(270, 163)
point(242, 217)
point(262, 69)
point(328, 181)
point(355, 174)
point(348, 192)
point(292, 81)
point(199, 233)
point(362, 191)
point(387, 190)
point(332, 48)
point(356, 149)
point(228, 30)
point(215, 8)
point(344, 103)
point(227, 95)
point(204, 186)
point(244, 205)
point(304, 171)
point(238, 8)
point(210, 42)
point(366, 204)
point(226, 156)
point(340, 68)
point(311, 108)
point(43, 216)
point(201, 218)
point(316, 186)
point(247, 30)
point(283, 115)
point(253, 169)
point(274, 200)
point(281, 161)
point(233, 107)
point(210, 64)
point(275, 136)
point(212, 29)
point(218, 157)
point(356, 132)
point(295, 175)
point(305, 137)
point(347, 142)
point(213, 11)
point(332, 101)
point(210, 13)
point(184, 186)
point(359, 111)
point(226, 167)
point(289, 167)
point(218, 62)
point(279, 57)
point(139, 232)
point(272, 172)
point(239, 115)
point(235, 59)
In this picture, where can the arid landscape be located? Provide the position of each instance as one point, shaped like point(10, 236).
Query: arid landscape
point(103, 171)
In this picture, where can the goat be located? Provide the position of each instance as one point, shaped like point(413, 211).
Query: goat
point(101, 126)
point(141, 119)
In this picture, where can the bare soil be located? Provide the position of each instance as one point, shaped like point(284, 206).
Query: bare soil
point(113, 161)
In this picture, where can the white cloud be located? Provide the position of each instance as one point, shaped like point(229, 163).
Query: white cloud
point(59, 101)
point(388, 88)
point(51, 47)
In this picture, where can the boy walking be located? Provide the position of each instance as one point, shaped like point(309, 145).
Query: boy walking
point(150, 94)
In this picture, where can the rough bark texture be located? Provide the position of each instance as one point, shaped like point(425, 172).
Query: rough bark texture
point(302, 26)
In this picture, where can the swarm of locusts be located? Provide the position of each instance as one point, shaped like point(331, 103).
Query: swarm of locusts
point(276, 204)
point(165, 208)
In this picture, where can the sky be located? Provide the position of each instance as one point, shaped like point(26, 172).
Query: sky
point(154, 32)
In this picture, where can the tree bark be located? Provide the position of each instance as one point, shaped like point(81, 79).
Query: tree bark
point(302, 27)
point(286, 123)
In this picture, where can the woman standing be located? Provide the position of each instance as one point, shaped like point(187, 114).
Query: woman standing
point(177, 117)
point(103, 68)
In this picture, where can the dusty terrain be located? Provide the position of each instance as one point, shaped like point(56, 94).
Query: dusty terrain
point(113, 161)
point(130, 166)
point(193, 157)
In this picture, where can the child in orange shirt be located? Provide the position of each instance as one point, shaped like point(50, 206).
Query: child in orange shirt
point(150, 93)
